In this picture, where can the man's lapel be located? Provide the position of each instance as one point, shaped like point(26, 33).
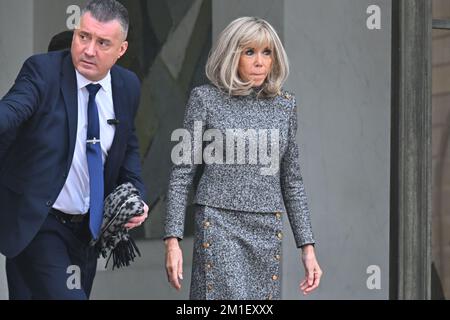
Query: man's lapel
point(70, 93)
point(119, 100)
point(119, 97)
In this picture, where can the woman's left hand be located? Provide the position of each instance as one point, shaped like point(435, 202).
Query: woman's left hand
point(313, 273)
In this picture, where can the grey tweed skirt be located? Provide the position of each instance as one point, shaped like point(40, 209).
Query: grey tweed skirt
point(236, 255)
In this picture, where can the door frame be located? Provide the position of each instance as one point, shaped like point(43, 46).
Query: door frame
point(410, 223)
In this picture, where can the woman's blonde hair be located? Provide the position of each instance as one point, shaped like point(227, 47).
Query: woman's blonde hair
point(223, 61)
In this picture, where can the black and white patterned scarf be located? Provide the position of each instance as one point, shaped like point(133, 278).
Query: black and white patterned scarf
point(114, 241)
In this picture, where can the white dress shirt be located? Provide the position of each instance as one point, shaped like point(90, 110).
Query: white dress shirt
point(74, 197)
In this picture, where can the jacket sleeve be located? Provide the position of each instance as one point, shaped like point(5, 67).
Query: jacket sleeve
point(131, 169)
point(293, 189)
point(23, 98)
point(183, 171)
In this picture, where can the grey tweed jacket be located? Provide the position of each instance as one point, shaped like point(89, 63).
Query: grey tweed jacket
point(241, 186)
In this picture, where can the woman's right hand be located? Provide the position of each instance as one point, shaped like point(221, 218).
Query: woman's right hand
point(174, 262)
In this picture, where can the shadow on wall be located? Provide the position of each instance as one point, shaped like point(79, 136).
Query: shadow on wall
point(437, 291)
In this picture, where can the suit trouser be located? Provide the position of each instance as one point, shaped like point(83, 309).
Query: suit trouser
point(57, 265)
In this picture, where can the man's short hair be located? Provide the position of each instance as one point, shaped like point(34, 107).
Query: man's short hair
point(109, 10)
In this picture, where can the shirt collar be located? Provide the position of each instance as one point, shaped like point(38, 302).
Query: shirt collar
point(83, 82)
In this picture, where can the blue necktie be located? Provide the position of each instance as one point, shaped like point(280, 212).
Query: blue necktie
point(95, 163)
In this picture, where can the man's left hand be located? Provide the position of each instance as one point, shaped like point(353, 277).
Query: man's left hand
point(138, 221)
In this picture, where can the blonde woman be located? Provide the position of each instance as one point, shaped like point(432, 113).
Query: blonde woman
point(251, 173)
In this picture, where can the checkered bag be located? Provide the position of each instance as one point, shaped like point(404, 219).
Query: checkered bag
point(114, 241)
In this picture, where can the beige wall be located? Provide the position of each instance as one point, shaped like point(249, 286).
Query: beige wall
point(440, 140)
point(16, 44)
point(16, 39)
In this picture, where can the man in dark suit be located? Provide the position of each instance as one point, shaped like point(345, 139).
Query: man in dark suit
point(73, 115)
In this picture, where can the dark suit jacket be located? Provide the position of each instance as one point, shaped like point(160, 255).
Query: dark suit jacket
point(38, 125)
